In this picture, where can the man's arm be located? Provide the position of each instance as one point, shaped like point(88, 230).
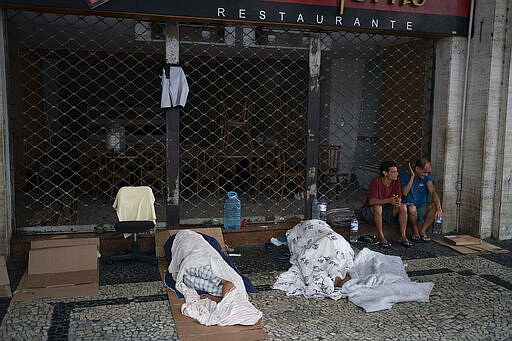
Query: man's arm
point(394, 199)
point(407, 187)
point(376, 201)
point(435, 197)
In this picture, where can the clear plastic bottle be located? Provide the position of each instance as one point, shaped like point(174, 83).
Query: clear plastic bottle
point(322, 207)
point(232, 212)
point(354, 230)
point(438, 226)
point(315, 209)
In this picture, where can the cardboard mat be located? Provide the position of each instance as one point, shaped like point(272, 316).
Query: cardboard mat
point(188, 328)
point(60, 267)
point(468, 245)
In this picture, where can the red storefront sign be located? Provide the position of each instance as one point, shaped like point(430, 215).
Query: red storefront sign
point(435, 17)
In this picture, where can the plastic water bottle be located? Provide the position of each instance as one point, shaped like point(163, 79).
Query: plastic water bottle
point(438, 229)
point(354, 230)
point(322, 207)
point(315, 209)
point(232, 212)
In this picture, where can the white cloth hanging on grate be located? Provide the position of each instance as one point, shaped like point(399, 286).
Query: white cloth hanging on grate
point(174, 87)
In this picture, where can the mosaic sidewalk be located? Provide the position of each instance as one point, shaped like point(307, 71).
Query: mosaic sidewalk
point(472, 299)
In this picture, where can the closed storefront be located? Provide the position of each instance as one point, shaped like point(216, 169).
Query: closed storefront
point(286, 102)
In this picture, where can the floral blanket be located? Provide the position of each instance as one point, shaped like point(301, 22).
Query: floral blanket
point(318, 256)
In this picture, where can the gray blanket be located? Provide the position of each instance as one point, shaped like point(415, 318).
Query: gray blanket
point(379, 281)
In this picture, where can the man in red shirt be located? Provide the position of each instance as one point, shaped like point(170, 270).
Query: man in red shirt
point(384, 203)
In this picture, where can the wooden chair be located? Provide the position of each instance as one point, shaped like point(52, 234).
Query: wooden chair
point(153, 169)
point(206, 167)
point(94, 168)
point(330, 170)
point(264, 170)
point(292, 169)
point(122, 169)
point(237, 124)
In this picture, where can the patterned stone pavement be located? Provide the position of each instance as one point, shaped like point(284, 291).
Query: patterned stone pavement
point(472, 300)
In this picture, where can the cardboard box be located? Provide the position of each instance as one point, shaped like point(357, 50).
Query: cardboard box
point(54, 242)
point(60, 268)
point(5, 286)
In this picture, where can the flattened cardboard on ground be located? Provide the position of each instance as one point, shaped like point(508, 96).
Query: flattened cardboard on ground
point(189, 329)
point(61, 268)
point(5, 286)
point(463, 239)
point(483, 247)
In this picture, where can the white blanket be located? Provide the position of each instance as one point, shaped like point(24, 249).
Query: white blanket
point(378, 281)
point(191, 250)
point(318, 256)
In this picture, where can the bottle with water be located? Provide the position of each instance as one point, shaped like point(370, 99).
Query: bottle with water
point(315, 209)
point(354, 230)
point(322, 207)
point(232, 212)
point(438, 228)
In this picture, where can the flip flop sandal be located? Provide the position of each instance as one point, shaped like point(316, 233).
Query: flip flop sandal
point(386, 245)
point(425, 239)
point(416, 239)
point(405, 243)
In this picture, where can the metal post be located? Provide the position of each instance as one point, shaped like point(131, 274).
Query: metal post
point(172, 141)
point(313, 122)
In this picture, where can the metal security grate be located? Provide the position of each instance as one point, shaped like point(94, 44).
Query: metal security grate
point(245, 129)
point(85, 117)
point(375, 106)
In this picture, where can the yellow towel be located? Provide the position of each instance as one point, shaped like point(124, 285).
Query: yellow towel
point(135, 203)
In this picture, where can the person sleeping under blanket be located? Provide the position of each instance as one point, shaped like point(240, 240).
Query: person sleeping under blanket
point(320, 259)
point(196, 263)
point(323, 265)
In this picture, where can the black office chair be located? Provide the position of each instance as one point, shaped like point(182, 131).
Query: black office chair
point(134, 227)
point(134, 206)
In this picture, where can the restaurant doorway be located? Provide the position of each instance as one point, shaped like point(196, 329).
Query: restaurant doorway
point(78, 82)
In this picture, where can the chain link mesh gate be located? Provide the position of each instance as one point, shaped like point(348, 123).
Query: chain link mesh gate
point(245, 129)
point(85, 118)
point(85, 115)
point(375, 98)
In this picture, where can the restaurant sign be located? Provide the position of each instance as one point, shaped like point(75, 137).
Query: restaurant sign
point(438, 17)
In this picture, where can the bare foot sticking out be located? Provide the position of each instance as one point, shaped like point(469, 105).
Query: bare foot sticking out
point(338, 282)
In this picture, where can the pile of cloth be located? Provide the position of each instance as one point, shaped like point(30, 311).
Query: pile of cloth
point(319, 255)
point(378, 281)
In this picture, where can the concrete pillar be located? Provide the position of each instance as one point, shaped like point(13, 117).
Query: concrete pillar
point(446, 126)
point(5, 173)
point(485, 140)
point(502, 223)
